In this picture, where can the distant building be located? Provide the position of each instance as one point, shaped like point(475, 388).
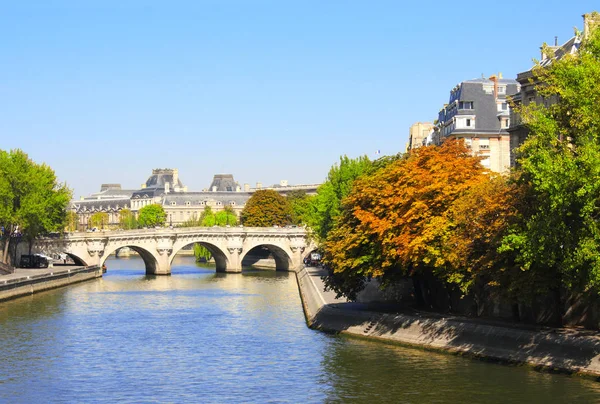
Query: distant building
point(528, 94)
point(418, 134)
point(164, 187)
point(478, 112)
point(111, 199)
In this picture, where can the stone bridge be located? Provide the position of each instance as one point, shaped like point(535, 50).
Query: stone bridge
point(158, 247)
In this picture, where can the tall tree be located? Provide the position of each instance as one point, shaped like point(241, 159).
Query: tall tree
point(300, 203)
point(326, 205)
point(152, 215)
point(391, 222)
point(266, 208)
point(557, 242)
point(32, 202)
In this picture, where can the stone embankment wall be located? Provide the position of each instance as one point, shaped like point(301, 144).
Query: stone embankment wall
point(12, 287)
point(545, 348)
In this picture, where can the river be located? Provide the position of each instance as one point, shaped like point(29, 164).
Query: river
point(199, 336)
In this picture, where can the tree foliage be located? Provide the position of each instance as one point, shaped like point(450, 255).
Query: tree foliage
point(300, 203)
point(395, 219)
point(72, 221)
point(98, 220)
point(152, 215)
point(325, 207)
point(267, 208)
point(201, 253)
point(558, 239)
point(32, 202)
point(127, 220)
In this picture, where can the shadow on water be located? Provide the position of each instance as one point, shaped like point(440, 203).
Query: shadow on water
point(418, 376)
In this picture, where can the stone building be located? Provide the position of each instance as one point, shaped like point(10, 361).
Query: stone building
point(111, 199)
point(165, 188)
point(418, 134)
point(528, 94)
point(478, 112)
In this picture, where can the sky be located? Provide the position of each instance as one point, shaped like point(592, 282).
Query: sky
point(266, 90)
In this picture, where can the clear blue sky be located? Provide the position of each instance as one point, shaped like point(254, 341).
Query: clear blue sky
point(104, 91)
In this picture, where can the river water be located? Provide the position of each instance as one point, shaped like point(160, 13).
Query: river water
point(198, 336)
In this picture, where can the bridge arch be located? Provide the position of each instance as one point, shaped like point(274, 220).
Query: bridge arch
point(283, 259)
point(151, 261)
point(221, 260)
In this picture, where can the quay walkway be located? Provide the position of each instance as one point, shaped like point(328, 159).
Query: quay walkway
point(25, 282)
point(544, 348)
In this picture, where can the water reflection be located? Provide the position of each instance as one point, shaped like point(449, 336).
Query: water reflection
point(202, 336)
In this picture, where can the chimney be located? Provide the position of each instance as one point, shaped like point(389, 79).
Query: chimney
point(495, 80)
point(246, 187)
point(283, 183)
point(167, 187)
point(258, 185)
point(591, 21)
point(175, 177)
point(555, 41)
point(214, 188)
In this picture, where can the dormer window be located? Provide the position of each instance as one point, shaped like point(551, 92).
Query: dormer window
point(187, 203)
point(173, 203)
point(465, 105)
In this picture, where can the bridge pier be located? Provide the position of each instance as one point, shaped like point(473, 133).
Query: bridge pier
point(235, 260)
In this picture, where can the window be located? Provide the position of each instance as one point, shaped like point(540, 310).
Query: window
point(504, 106)
point(486, 162)
point(465, 105)
point(187, 203)
point(484, 144)
point(501, 90)
point(173, 203)
point(468, 122)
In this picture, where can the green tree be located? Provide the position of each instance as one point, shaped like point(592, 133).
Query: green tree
point(226, 217)
point(325, 207)
point(557, 242)
point(98, 220)
point(127, 220)
point(201, 253)
point(151, 216)
point(72, 221)
point(266, 208)
point(300, 203)
point(32, 202)
point(207, 218)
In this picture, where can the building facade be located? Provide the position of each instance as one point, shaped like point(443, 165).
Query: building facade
point(527, 81)
point(165, 188)
point(418, 134)
point(478, 112)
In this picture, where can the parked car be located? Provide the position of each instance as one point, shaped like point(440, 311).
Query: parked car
point(34, 261)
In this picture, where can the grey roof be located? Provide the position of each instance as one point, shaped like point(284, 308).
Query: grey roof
point(485, 108)
point(100, 204)
point(112, 193)
point(223, 183)
point(159, 181)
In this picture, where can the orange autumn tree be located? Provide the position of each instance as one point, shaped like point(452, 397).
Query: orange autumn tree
point(395, 220)
point(478, 221)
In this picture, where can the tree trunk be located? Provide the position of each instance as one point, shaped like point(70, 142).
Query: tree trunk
point(6, 255)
